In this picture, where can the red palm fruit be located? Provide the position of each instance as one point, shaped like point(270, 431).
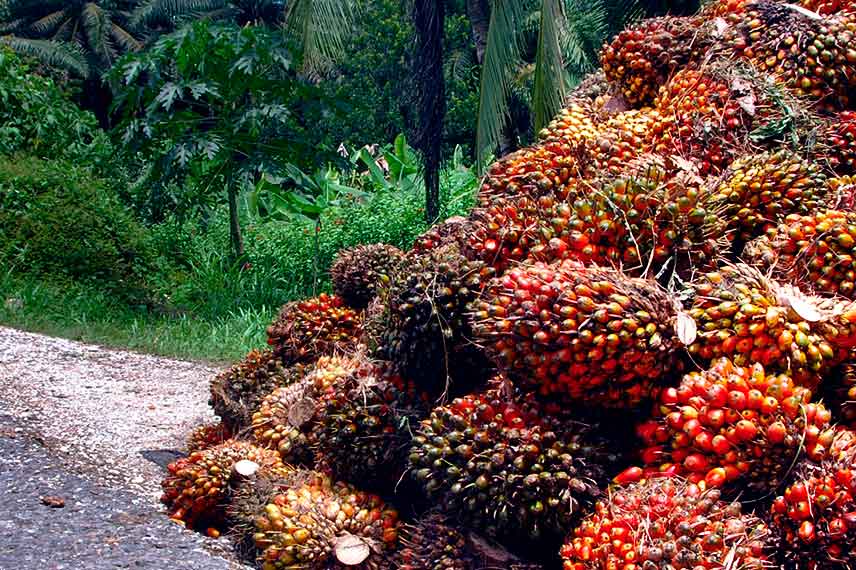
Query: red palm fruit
point(741, 314)
point(358, 272)
point(641, 58)
point(724, 8)
point(734, 425)
point(315, 327)
point(320, 525)
point(197, 487)
point(816, 252)
point(816, 513)
point(668, 523)
point(284, 419)
point(511, 468)
point(828, 7)
point(760, 191)
point(838, 138)
point(586, 332)
point(207, 435)
point(238, 391)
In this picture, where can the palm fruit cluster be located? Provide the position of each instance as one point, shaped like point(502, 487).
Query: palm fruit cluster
point(207, 435)
point(197, 487)
point(742, 315)
point(584, 332)
point(731, 423)
point(574, 123)
point(839, 136)
point(315, 327)
point(816, 514)
point(512, 469)
point(322, 525)
point(427, 333)
point(827, 7)
point(452, 231)
point(664, 524)
point(283, 420)
point(641, 58)
point(817, 252)
point(362, 426)
point(358, 272)
point(757, 192)
point(238, 391)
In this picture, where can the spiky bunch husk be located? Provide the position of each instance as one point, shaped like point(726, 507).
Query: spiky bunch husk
point(666, 524)
point(816, 252)
point(816, 514)
point(452, 231)
point(283, 420)
point(358, 272)
point(514, 469)
point(642, 57)
point(362, 426)
point(760, 191)
point(814, 57)
point(237, 392)
point(427, 336)
point(731, 424)
point(197, 489)
point(207, 435)
point(741, 314)
point(307, 526)
point(588, 333)
point(305, 330)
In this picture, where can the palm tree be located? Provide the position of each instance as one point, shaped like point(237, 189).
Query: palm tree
point(428, 19)
point(79, 36)
point(168, 13)
point(561, 39)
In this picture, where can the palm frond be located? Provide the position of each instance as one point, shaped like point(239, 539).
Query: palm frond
point(155, 11)
point(320, 27)
point(12, 26)
point(56, 54)
point(501, 56)
point(65, 32)
point(458, 64)
point(585, 31)
point(124, 39)
point(47, 24)
point(96, 26)
point(28, 9)
point(548, 93)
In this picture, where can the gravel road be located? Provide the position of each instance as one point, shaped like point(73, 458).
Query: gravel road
point(94, 427)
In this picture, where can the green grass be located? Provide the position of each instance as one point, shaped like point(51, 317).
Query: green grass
point(80, 313)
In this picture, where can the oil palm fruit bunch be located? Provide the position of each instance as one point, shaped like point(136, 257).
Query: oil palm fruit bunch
point(666, 524)
point(642, 57)
point(839, 135)
point(585, 332)
point(283, 420)
point(362, 426)
point(732, 424)
point(321, 525)
point(741, 314)
point(428, 333)
point(575, 123)
point(314, 327)
point(622, 137)
point(238, 391)
point(197, 487)
point(816, 514)
point(594, 89)
point(207, 435)
point(842, 192)
point(453, 230)
point(358, 272)
point(828, 7)
point(701, 118)
point(513, 469)
point(760, 191)
point(650, 215)
point(817, 252)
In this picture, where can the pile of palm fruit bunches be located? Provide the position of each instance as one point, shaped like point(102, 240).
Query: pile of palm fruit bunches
point(636, 353)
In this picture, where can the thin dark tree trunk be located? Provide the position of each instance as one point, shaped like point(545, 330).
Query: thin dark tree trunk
point(478, 13)
point(428, 16)
point(234, 221)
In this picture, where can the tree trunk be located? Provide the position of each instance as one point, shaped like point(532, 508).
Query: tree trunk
point(428, 16)
point(234, 221)
point(479, 14)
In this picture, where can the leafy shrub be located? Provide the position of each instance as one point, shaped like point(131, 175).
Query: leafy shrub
point(56, 218)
